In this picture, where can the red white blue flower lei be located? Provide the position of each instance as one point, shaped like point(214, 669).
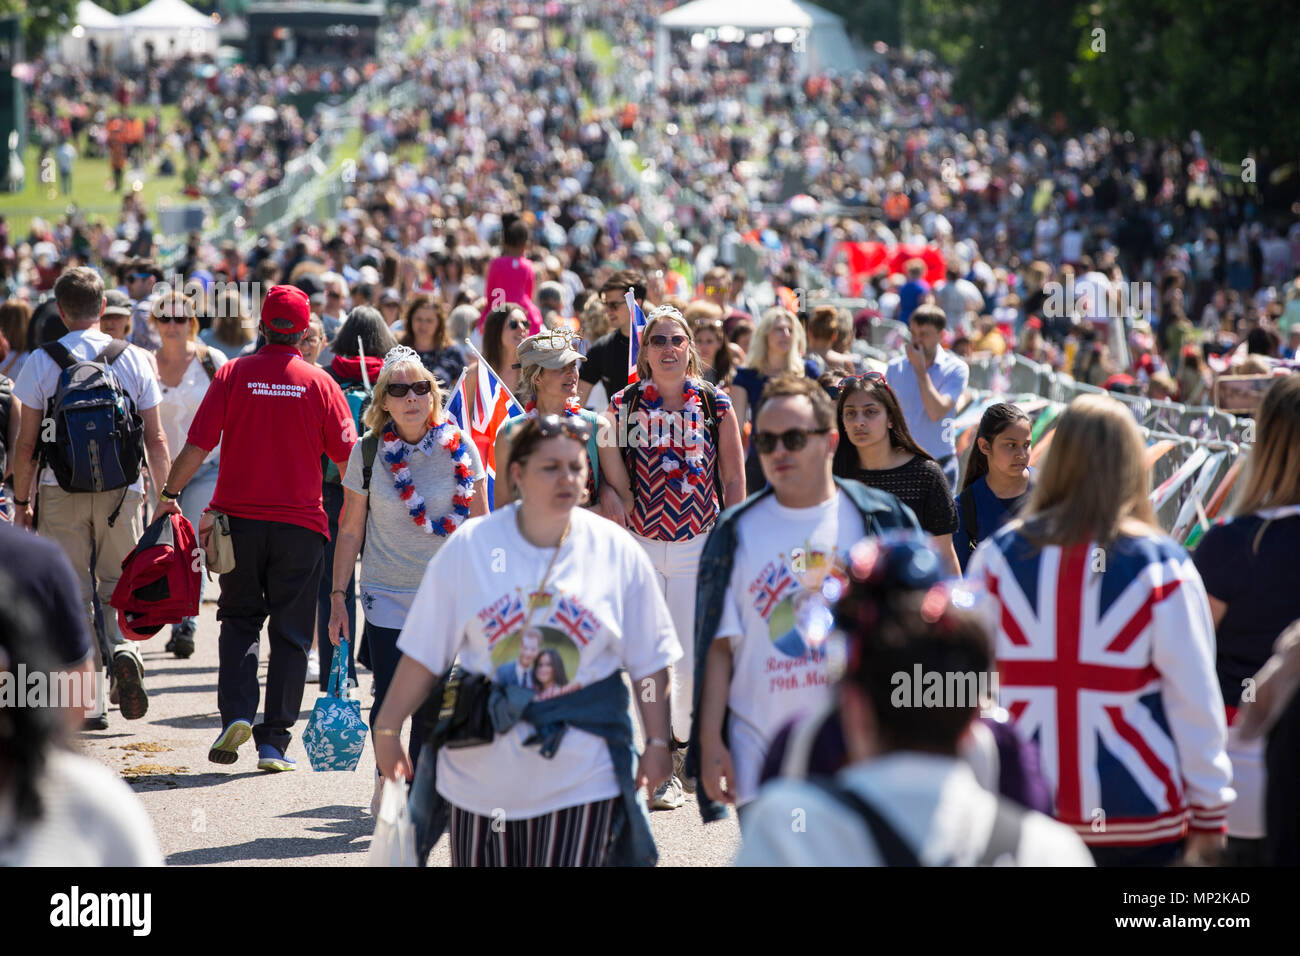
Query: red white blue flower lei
point(396, 452)
point(685, 465)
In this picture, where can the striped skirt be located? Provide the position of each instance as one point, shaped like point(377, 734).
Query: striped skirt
point(573, 836)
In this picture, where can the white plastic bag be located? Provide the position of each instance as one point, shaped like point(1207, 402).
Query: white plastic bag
point(394, 841)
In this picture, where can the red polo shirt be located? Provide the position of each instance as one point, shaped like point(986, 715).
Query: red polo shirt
point(274, 415)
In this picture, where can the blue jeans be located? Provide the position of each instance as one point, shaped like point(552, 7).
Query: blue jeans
point(332, 499)
point(195, 498)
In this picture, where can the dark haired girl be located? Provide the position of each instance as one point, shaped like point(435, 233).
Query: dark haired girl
point(877, 448)
point(997, 477)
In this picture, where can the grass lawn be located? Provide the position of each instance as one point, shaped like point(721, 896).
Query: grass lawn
point(92, 187)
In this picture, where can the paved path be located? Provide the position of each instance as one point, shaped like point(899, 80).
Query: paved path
point(210, 815)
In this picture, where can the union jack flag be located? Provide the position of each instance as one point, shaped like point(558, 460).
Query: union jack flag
point(1106, 660)
point(770, 587)
point(637, 326)
point(575, 620)
point(502, 618)
point(493, 404)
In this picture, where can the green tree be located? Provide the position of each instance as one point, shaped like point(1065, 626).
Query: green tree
point(42, 19)
point(870, 20)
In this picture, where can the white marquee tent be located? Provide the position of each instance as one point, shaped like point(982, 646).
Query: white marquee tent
point(90, 22)
point(173, 27)
point(818, 34)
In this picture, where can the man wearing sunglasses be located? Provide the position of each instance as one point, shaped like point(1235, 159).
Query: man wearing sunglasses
point(770, 571)
point(606, 362)
point(141, 277)
point(274, 416)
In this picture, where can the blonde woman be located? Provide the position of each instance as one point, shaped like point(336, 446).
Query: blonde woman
point(777, 348)
point(548, 376)
point(232, 329)
point(410, 444)
point(185, 370)
point(686, 465)
point(1105, 649)
point(1248, 565)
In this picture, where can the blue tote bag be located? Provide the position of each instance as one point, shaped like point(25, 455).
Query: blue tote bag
point(336, 734)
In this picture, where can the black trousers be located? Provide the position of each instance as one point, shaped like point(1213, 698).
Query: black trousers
point(1282, 789)
point(332, 500)
point(277, 570)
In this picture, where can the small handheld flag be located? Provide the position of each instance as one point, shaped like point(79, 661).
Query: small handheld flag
point(634, 335)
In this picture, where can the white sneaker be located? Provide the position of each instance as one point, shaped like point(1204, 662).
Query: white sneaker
point(313, 665)
point(669, 795)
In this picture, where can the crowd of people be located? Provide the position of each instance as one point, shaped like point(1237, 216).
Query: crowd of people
point(713, 488)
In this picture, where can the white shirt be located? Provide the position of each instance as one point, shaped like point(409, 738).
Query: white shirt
point(783, 557)
point(180, 404)
point(933, 802)
point(39, 379)
point(602, 610)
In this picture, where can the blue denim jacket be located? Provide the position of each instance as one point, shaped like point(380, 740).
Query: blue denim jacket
point(603, 709)
point(880, 512)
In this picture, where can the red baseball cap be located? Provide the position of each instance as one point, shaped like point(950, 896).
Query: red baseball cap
point(286, 309)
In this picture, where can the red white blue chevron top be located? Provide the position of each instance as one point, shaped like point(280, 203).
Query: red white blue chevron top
point(668, 509)
point(1106, 660)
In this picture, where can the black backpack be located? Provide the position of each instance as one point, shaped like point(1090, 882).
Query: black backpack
point(709, 399)
point(97, 443)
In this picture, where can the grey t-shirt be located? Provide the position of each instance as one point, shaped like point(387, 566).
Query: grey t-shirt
point(397, 550)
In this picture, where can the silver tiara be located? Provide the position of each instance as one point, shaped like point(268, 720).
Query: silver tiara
point(398, 353)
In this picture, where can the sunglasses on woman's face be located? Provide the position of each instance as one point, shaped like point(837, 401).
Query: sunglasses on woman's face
point(663, 341)
point(171, 318)
point(399, 389)
point(516, 324)
point(576, 427)
point(794, 439)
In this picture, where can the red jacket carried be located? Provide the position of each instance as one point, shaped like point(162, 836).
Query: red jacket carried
point(160, 579)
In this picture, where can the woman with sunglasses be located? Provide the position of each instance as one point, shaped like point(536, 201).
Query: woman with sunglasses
point(185, 369)
point(549, 377)
point(876, 448)
point(684, 457)
point(503, 333)
point(414, 447)
point(580, 587)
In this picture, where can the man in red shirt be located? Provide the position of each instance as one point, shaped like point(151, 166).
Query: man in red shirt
point(274, 415)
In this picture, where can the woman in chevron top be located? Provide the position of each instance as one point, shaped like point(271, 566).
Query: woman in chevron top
point(1105, 650)
point(682, 446)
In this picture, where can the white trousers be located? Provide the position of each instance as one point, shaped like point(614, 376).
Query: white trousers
point(676, 564)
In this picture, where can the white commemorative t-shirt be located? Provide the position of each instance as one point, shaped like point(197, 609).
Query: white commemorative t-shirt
point(784, 557)
point(39, 380)
point(601, 610)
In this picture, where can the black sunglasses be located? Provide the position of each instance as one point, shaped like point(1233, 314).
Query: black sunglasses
point(575, 427)
point(794, 439)
point(399, 389)
point(516, 324)
point(141, 275)
point(178, 319)
point(660, 341)
point(864, 377)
